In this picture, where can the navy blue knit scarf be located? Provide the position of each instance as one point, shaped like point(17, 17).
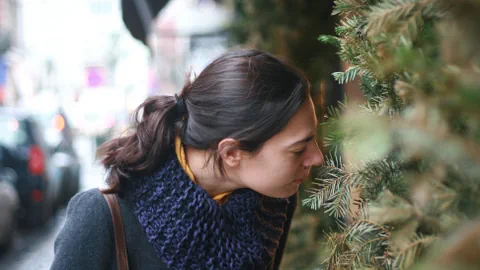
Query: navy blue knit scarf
point(189, 230)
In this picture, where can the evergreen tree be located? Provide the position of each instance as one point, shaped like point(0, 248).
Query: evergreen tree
point(409, 175)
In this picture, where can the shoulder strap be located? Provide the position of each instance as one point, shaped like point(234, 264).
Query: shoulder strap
point(118, 230)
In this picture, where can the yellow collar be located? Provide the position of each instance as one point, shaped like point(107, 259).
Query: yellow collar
point(182, 158)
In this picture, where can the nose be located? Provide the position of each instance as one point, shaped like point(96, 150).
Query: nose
point(315, 158)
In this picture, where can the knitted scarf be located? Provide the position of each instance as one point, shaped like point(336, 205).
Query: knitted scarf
point(189, 230)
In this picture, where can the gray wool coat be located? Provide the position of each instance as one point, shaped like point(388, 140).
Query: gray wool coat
point(86, 240)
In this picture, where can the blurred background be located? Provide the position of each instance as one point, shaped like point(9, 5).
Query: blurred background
point(72, 72)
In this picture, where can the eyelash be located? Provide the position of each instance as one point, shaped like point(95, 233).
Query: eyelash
point(299, 153)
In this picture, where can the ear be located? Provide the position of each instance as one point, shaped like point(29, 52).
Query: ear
point(229, 151)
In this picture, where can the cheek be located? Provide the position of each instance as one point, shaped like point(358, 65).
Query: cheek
point(276, 169)
point(272, 175)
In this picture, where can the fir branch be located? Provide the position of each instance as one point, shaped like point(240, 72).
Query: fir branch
point(374, 105)
point(332, 40)
point(325, 191)
point(347, 76)
point(334, 113)
point(334, 137)
point(407, 256)
point(387, 13)
point(335, 182)
point(403, 17)
point(336, 245)
point(370, 63)
point(333, 190)
point(349, 50)
point(333, 141)
point(346, 7)
point(357, 258)
point(340, 205)
point(381, 175)
point(330, 179)
point(362, 240)
point(349, 25)
point(409, 29)
point(363, 226)
point(370, 86)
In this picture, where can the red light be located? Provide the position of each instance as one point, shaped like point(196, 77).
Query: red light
point(37, 196)
point(36, 162)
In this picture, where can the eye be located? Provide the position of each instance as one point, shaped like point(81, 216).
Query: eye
point(300, 152)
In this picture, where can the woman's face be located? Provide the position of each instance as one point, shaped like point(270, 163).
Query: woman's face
point(284, 161)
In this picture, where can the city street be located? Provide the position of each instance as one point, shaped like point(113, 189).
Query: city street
point(33, 249)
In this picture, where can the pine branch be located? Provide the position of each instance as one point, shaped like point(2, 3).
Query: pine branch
point(409, 29)
point(387, 13)
point(330, 180)
point(331, 40)
point(347, 76)
point(334, 186)
point(336, 245)
point(370, 86)
point(333, 141)
point(349, 25)
point(357, 247)
point(404, 18)
point(333, 190)
point(379, 176)
point(349, 50)
point(347, 7)
point(359, 257)
point(360, 229)
point(374, 105)
point(391, 209)
point(370, 63)
point(404, 90)
point(407, 256)
point(334, 137)
point(340, 205)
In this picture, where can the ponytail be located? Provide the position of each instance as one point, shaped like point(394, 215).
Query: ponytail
point(145, 150)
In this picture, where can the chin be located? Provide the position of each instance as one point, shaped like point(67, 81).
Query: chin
point(284, 194)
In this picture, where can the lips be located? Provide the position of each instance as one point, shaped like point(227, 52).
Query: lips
point(299, 181)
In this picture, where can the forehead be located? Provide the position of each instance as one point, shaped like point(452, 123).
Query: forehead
point(301, 125)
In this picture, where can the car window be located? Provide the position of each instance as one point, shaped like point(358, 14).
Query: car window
point(12, 131)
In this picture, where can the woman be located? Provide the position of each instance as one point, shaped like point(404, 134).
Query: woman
point(208, 180)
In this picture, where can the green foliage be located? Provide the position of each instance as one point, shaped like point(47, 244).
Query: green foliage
point(409, 174)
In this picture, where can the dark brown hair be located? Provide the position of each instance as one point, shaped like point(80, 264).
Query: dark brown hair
point(247, 95)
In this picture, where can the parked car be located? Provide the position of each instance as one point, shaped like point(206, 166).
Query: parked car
point(59, 138)
point(26, 152)
point(9, 205)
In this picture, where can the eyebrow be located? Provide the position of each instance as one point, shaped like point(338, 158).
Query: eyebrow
point(310, 137)
point(307, 139)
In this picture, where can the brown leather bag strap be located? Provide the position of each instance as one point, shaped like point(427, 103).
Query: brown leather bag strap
point(118, 230)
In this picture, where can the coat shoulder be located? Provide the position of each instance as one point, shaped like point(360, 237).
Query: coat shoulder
point(86, 238)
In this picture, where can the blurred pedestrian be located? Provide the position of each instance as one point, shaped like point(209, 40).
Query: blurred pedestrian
point(208, 179)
